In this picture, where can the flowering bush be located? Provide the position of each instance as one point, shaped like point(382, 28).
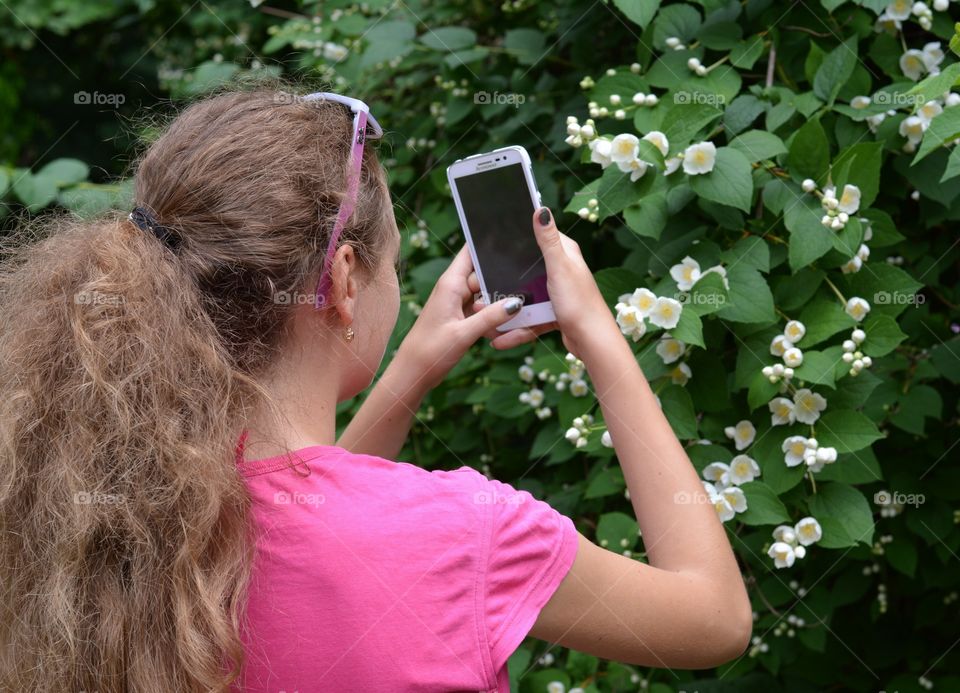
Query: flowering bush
point(765, 190)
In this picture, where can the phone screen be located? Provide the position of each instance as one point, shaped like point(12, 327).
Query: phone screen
point(499, 212)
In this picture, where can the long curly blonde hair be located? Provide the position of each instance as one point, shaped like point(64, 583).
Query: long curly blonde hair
point(127, 370)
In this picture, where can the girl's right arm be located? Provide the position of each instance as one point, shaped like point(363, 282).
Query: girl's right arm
point(688, 608)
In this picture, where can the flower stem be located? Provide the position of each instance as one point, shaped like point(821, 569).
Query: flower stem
point(835, 290)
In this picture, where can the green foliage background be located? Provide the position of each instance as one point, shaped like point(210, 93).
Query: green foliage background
point(877, 595)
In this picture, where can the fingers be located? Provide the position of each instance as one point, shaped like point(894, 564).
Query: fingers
point(548, 237)
point(489, 317)
point(473, 283)
point(521, 335)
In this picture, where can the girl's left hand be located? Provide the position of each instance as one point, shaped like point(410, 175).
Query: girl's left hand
point(452, 320)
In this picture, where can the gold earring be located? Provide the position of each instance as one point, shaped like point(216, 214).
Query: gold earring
point(348, 333)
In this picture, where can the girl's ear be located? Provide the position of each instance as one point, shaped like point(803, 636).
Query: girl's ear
point(343, 283)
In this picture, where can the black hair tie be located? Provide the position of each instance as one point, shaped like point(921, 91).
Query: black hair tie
point(147, 222)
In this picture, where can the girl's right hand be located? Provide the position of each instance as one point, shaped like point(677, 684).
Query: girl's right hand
point(582, 314)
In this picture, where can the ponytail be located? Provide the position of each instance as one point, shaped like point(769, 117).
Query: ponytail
point(124, 537)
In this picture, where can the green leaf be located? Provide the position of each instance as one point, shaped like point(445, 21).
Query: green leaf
point(4, 181)
point(758, 145)
point(810, 152)
point(943, 128)
point(689, 328)
point(729, 183)
point(449, 38)
point(684, 120)
point(847, 431)
point(859, 165)
point(761, 391)
point(888, 289)
point(707, 296)
point(615, 281)
point(883, 335)
point(36, 192)
point(528, 44)
point(742, 111)
point(809, 239)
point(747, 52)
point(678, 408)
point(850, 512)
point(823, 318)
point(836, 69)
point(616, 191)
point(607, 482)
point(614, 529)
point(640, 12)
point(817, 368)
point(648, 216)
point(65, 172)
point(935, 86)
point(750, 296)
point(679, 21)
point(763, 505)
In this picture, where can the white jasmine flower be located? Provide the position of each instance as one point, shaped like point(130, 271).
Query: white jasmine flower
point(779, 345)
point(899, 9)
point(624, 148)
point(720, 503)
point(826, 455)
point(658, 140)
point(735, 498)
point(643, 300)
point(781, 411)
point(808, 531)
point(600, 151)
point(951, 99)
point(857, 308)
point(941, 5)
point(572, 435)
point(636, 168)
point(605, 440)
point(849, 201)
point(873, 122)
point(742, 434)
point(782, 554)
point(672, 164)
point(681, 374)
point(912, 128)
point(578, 388)
point(536, 397)
point(631, 322)
point(699, 158)
point(639, 97)
point(928, 111)
point(860, 102)
point(808, 185)
point(852, 265)
point(794, 331)
point(686, 274)
point(794, 448)
point(858, 336)
point(615, 99)
point(670, 349)
point(793, 357)
point(651, 100)
point(913, 64)
point(807, 405)
point(718, 473)
point(525, 373)
point(743, 469)
point(666, 313)
point(721, 270)
point(786, 534)
point(932, 56)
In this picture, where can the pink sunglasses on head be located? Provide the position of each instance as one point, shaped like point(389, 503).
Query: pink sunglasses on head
point(364, 126)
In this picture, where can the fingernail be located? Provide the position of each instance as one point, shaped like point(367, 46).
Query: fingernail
point(544, 217)
point(513, 305)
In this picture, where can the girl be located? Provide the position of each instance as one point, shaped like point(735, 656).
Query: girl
point(176, 513)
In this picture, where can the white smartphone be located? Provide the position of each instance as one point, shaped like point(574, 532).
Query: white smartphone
point(496, 195)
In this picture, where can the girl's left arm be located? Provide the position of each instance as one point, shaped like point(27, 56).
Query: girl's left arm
point(450, 322)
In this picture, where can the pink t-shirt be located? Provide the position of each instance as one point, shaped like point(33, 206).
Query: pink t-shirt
point(374, 575)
